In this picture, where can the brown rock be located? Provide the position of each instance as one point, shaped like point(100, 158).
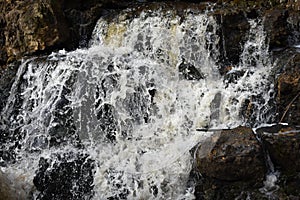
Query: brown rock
point(288, 91)
point(231, 155)
point(8, 191)
point(283, 145)
point(275, 24)
point(33, 26)
point(231, 164)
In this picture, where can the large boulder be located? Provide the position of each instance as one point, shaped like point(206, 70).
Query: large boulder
point(32, 27)
point(230, 162)
point(231, 155)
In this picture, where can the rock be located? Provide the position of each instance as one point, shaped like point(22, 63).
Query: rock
point(189, 72)
point(66, 176)
point(9, 190)
point(293, 23)
point(234, 28)
point(46, 25)
point(282, 27)
point(231, 164)
point(215, 107)
point(7, 76)
point(32, 27)
point(64, 130)
point(288, 90)
point(289, 186)
point(283, 145)
point(107, 121)
point(233, 76)
point(231, 155)
point(277, 20)
point(7, 153)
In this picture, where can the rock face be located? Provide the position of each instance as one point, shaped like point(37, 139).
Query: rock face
point(231, 155)
point(282, 143)
point(67, 176)
point(234, 28)
point(6, 81)
point(231, 164)
point(31, 27)
point(230, 161)
point(288, 89)
point(8, 190)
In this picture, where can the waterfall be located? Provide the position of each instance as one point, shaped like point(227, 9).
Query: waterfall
point(133, 100)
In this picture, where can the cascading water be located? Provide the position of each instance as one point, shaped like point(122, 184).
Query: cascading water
point(133, 100)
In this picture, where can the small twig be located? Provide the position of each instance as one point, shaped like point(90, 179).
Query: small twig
point(288, 107)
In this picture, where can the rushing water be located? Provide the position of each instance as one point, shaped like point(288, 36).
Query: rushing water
point(133, 110)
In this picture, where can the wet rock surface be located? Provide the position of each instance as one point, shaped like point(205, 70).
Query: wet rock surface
point(46, 25)
point(66, 176)
point(282, 27)
point(189, 72)
point(34, 27)
point(9, 190)
point(219, 174)
point(283, 145)
point(288, 92)
point(230, 162)
point(234, 28)
point(6, 80)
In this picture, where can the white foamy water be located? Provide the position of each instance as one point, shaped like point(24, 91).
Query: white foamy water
point(134, 114)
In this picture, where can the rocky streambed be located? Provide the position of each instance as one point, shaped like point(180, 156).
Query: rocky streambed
point(253, 161)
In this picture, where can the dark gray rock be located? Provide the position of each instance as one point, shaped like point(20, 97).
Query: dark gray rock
point(189, 72)
point(234, 28)
point(107, 121)
point(67, 176)
point(230, 165)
